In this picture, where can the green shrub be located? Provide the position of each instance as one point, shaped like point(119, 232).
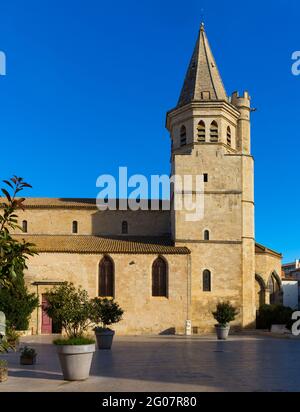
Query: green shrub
point(73, 309)
point(27, 352)
point(225, 313)
point(105, 312)
point(17, 303)
point(269, 315)
point(12, 336)
point(74, 341)
point(3, 364)
point(14, 254)
point(70, 307)
point(5, 346)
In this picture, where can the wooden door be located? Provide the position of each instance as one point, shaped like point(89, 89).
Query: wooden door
point(46, 321)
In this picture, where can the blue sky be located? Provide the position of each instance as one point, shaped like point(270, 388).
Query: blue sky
point(89, 82)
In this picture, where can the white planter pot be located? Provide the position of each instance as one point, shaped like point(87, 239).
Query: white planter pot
point(75, 361)
point(222, 331)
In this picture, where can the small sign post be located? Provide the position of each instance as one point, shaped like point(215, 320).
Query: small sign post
point(188, 328)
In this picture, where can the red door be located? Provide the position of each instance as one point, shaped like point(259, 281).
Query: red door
point(46, 321)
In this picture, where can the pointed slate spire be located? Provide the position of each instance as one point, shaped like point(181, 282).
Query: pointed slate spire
point(203, 80)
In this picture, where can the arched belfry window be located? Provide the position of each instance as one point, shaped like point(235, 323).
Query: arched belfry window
point(25, 226)
point(214, 132)
point(159, 278)
point(183, 136)
point(75, 227)
point(106, 277)
point(206, 235)
point(206, 281)
point(124, 227)
point(228, 136)
point(201, 131)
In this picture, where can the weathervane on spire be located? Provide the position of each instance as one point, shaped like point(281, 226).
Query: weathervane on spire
point(202, 19)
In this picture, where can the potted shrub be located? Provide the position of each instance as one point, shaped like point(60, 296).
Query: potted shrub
point(28, 356)
point(71, 308)
point(3, 371)
point(105, 312)
point(224, 314)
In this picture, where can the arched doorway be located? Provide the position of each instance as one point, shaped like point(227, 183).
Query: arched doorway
point(260, 291)
point(275, 289)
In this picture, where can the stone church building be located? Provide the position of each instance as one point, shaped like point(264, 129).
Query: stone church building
point(161, 269)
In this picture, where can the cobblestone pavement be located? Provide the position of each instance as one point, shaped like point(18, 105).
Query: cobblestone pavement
point(168, 363)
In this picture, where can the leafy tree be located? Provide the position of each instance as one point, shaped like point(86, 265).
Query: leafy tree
point(105, 312)
point(17, 303)
point(70, 307)
point(225, 313)
point(13, 254)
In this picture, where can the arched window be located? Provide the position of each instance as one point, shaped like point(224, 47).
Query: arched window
point(25, 226)
point(124, 228)
point(214, 132)
point(159, 278)
point(183, 136)
point(206, 281)
point(75, 227)
point(206, 234)
point(106, 277)
point(201, 131)
point(229, 136)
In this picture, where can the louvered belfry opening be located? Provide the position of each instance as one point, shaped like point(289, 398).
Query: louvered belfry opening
point(183, 136)
point(201, 131)
point(106, 277)
point(214, 132)
point(159, 278)
point(228, 136)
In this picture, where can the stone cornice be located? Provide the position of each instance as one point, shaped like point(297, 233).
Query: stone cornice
point(217, 104)
point(222, 242)
point(193, 144)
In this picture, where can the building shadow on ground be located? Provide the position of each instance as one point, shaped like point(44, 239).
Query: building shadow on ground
point(32, 374)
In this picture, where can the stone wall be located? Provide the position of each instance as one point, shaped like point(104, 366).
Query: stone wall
point(53, 221)
point(226, 282)
point(144, 314)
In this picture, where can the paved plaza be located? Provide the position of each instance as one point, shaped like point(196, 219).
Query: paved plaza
point(168, 363)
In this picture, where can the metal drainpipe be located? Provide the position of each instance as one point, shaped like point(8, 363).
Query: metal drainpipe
point(37, 310)
point(188, 301)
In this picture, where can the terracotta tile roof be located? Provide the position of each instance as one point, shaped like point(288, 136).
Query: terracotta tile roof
point(294, 271)
point(74, 203)
point(94, 244)
point(263, 249)
point(45, 202)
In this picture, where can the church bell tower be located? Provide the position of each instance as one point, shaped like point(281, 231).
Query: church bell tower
point(210, 134)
